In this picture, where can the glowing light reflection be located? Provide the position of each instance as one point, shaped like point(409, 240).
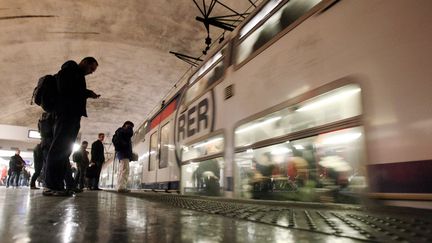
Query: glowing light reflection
point(259, 16)
point(206, 143)
point(341, 138)
point(328, 100)
point(247, 128)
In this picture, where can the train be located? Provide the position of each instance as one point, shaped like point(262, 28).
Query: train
point(306, 100)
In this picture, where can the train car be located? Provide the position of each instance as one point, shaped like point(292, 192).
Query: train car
point(308, 100)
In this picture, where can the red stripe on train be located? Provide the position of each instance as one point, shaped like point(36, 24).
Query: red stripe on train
point(167, 111)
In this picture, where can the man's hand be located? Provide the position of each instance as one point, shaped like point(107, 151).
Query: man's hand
point(93, 94)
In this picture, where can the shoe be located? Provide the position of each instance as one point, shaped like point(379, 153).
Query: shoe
point(34, 188)
point(77, 190)
point(74, 190)
point(55, 193)
point(123, 190)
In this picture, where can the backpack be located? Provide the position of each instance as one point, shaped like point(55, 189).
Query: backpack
point(45, 93)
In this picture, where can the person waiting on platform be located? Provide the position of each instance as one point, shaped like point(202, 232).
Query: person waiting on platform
point(97, 158)
point(70, 107)
point(81, 159)
point(16, 164)
point(123, 147)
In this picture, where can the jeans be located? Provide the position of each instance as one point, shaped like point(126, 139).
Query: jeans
point(123, 174)
point(65, 132)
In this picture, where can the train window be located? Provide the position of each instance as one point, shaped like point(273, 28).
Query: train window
point(217, 57)
point(213, 71)
point(325, 168)
point(284, 17)
point(338, 104)
point(272, 4)
point(140, 134)
point(165, 146)
point(153, 151)
point(207, 147)
point(203, 178)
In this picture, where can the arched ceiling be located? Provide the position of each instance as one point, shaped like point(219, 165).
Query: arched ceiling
point(130, 39)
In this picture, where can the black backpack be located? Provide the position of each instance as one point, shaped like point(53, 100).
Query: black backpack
point(45, 93)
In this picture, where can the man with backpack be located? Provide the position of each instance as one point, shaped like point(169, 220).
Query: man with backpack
point(16, 164)
point(123, 147)
point(70, 106)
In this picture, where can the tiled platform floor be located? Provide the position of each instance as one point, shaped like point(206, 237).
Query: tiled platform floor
point(100, 216)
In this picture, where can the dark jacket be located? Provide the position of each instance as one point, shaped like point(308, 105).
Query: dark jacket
point(16, 163)
point(72, 90)
point(124, 136)
point(81, 158)
point(97, 153)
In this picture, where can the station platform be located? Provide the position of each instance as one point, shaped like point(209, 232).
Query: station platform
point(106, 216)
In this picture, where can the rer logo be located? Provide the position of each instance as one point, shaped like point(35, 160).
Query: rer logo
point(196, 120)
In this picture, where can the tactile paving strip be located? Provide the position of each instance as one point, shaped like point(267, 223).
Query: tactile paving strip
point(354, 224)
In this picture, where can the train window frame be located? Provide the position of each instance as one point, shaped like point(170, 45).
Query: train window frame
point(168, 123)
point(149, 152)
point(258, 10)
point(221, 168)
point(323, 161)
point(316, 130)
point(203, 138)
point(323, 5)
point(226, 59)
point(139, 135)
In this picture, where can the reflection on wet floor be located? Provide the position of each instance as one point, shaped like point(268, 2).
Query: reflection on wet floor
point(98, 216)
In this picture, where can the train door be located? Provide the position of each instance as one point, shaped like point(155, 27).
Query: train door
point(152, 160)
point(162, 168)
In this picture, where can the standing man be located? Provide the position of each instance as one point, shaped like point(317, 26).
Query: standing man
point(17, 164)
point(123, 147)
point(81, 159)
point(70, 107)
point(98, 158)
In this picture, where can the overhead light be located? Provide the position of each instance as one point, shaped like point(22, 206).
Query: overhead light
point(34, 134)
point(253, 126)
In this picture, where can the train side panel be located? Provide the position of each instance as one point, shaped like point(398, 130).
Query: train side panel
point(389, 61)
